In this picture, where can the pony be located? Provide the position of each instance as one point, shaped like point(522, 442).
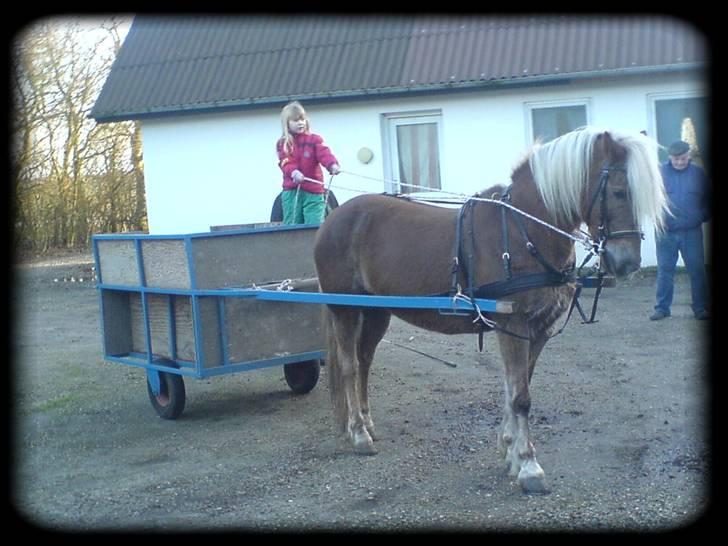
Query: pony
point(383, 245)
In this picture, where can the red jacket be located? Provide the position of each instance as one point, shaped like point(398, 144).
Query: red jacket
point(309, 153)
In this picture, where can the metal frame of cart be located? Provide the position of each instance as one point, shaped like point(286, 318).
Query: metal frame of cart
point(199, 305)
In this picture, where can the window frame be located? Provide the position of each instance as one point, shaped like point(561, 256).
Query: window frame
point(390, 122)
point(654, 98)
point(530, 106)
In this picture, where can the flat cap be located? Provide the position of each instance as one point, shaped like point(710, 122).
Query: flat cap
point(678, 147)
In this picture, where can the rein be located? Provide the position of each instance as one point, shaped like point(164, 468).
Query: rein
point(527, 281)
point(460, 199)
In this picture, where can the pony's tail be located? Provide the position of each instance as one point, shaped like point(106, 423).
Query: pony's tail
point(333, 371)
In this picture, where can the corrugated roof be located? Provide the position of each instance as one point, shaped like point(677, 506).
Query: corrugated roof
point(172, 64)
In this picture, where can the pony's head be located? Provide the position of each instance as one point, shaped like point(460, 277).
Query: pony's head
point(611, 182)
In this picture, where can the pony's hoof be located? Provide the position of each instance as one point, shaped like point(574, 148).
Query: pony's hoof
point(365, 449)
point(532, 479)
point(363, 445)
point(533, 485)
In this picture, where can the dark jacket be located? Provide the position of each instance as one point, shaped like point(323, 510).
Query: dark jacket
point(688, 194)
point(308, 154)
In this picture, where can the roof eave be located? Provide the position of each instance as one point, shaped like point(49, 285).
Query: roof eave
point(406, 90)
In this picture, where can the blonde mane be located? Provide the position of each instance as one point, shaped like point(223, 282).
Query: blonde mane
point(561, 171)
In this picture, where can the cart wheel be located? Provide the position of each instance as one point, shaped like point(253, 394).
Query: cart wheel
point(170, 402)
point(302, 376)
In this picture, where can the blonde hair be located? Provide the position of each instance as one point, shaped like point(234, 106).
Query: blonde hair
point(291, 111)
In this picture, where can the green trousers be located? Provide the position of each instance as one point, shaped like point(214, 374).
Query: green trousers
point(302, 207)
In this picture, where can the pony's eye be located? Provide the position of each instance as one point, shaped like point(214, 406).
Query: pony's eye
point(620, 194)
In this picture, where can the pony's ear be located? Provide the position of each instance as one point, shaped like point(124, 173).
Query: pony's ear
point(609, 147)
point(606, 143)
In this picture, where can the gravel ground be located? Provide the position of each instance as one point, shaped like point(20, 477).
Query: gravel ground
point(619, 420)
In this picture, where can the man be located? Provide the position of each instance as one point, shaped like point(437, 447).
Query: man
point(687, 188)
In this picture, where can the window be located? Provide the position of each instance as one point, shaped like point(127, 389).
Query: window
point(413, 145)
point(549, 121)
point(683, 118)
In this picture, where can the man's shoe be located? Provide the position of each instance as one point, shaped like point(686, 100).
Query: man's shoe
point(658, 315)
point(702, 315)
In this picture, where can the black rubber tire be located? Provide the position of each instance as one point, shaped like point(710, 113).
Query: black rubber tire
point(331, 203)
point(302, 376)
point(276, 213)
point(170, 402)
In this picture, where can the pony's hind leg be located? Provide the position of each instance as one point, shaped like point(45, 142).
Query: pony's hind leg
point(515, 439)
point(374, 326)
point(345, 376)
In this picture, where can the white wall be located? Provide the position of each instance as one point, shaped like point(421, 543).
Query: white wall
point(205, 170)
point(209, 170)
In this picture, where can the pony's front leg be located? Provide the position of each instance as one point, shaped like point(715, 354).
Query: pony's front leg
point(520, 454)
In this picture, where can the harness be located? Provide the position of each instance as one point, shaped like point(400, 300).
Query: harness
point(550, 276)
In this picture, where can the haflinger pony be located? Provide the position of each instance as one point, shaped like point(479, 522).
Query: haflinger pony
point(383, 245)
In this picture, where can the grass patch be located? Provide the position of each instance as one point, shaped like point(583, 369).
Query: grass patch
point(56, 403)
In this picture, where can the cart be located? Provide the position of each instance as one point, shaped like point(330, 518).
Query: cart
point(207, 304)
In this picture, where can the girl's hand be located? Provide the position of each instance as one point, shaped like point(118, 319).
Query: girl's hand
point(297, 176)
point(335, 169)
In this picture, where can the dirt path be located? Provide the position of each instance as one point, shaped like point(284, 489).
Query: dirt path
point(619, 423)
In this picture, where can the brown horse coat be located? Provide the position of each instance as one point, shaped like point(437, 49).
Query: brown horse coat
point(382, 245)
point(423, 253)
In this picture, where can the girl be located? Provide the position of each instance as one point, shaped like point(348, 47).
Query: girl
point(301, 154)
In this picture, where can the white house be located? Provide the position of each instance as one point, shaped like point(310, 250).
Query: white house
point(443, 102)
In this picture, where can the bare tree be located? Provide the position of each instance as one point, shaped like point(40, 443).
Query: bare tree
point(71, 176)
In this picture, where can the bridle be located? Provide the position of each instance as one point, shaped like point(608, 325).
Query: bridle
point(603, 232)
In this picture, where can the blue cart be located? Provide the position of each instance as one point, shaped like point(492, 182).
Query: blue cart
point(206, 304)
